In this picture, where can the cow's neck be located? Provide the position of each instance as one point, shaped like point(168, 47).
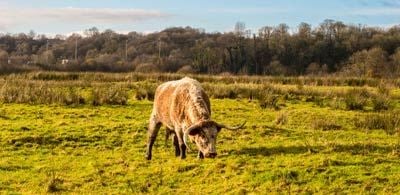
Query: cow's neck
point(199, 113)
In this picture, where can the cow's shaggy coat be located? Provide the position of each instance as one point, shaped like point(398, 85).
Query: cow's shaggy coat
point(184, 108)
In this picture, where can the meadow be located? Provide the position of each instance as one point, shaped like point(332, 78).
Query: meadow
point(85, 133)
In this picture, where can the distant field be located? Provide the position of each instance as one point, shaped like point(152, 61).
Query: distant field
point(86, 133)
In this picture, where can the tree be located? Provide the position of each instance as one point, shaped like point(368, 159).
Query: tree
point(46, 58)
point(368, 63)
point(275, 68)
point(92, 32)
point(395, 69)
point(265, 32)
point(304, 30)
point(355, 49)
point(240, 29)
point(3, 57)
point(313, 69)
point(356, 65)
point(32, 34)
point(377, 65)
point(204, 59)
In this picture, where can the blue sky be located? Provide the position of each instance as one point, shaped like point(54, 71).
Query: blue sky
point(67, 16)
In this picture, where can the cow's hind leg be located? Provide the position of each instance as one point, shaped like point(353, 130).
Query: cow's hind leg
point(168, 133)
point(152, 132)
point(176, 145)
point(174, 141)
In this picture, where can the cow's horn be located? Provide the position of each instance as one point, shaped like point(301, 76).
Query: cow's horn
point(231, 128)
point(190, 129)
point(194, 127)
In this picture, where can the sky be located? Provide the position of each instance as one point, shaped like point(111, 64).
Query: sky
point(53, 17)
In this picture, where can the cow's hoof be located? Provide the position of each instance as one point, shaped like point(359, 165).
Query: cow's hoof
point(200, 155)
point(148, 157)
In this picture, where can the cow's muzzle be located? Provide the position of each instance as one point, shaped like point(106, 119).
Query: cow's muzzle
point(211, 155)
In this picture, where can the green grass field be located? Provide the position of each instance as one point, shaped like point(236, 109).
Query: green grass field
point(301, 148)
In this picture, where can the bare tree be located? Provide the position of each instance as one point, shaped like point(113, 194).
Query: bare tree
point(240, 29)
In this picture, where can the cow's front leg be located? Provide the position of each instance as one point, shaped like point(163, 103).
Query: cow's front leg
point(183, 151)
point(200, 155)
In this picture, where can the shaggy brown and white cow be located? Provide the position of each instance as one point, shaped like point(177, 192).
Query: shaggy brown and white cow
point(184, 108)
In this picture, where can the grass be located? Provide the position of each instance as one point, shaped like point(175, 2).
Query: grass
point(86, 149)
point(304, 147)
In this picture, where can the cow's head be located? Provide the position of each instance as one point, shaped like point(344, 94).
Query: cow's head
point(204, 134)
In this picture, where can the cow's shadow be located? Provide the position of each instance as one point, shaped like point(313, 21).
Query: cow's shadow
point(354, 149)
point(276, 150)
point(361, 148)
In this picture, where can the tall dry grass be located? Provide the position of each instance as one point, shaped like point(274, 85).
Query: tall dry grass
point(162, 77)
point(118, 88)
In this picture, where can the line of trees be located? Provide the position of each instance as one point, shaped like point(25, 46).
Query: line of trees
point(331, 47)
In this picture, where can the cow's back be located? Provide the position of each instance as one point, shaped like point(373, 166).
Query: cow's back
point(174, 101)
point(162, 101)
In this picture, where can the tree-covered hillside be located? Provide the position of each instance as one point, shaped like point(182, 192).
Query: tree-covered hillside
point(331, 47)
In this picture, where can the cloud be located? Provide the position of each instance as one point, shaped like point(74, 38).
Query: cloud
point(391, 3)
point(257, 10)
point(392, 25)
point(2, 27)
point(379, 11)
point(10, 17)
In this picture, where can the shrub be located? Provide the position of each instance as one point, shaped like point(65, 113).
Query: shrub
point(109, 95)
point(48, 76)
point(145, 90)
point(187, 69)
point(3, 115)
point(39, 93)
point(146, 68)
point(319, 101)
point(335, 103)
point(381, 102)
point(383, 89)
point(324, 124)
point(389, 122)
point(281, 118)
point(143, 93)
point(72, 96)
point(356, 99)
point(8, 93)
point(269, 100)
point(221, 91)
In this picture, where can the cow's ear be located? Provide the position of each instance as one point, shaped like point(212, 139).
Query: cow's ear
point(194, 131)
